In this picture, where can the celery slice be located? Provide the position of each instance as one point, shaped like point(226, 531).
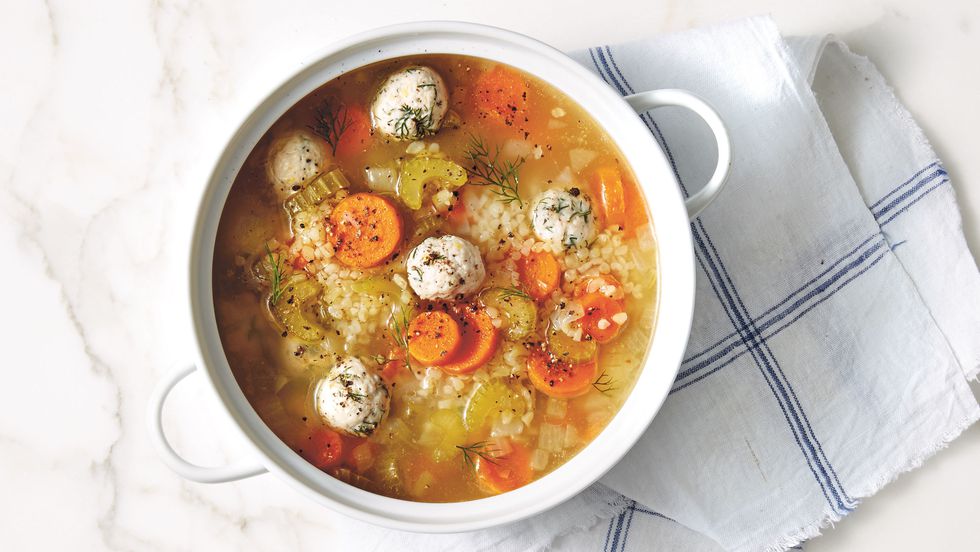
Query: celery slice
point(288, 310)
point(520, 312)
point(417, 172)
point(316, 191)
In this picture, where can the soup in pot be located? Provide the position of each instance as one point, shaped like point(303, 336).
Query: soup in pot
point(435, 278)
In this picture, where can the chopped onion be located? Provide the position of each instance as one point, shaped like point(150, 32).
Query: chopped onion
point(514, 148)
point(539, 459)
point(556, 408)
point(500, 428)
point(571, 436)
point(381, 179)
point(580, 158)
point(551, 437)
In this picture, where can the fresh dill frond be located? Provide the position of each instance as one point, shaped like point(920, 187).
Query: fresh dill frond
point(398, 325)
point(604, 383)
point(276, 275)
point(487, 169)
point(418, 115)
point(331, 123)
point(508, 292)
point(482, 449)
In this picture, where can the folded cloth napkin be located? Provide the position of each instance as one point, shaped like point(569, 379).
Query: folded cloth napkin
point(838, 307)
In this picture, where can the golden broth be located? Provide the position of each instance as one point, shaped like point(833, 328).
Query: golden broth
point(435, 434)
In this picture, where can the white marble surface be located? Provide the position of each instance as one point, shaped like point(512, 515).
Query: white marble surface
point(110, 117)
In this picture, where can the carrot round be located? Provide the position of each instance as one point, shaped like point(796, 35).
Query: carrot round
point(599, 322)
point(324, 448)
point(605, 284)
point(540, 274)
point(558, 378)
point(607, 186)
point(433, 337)
point(479, 342)
point(636, 215)
point(507, 472)
point(357, 131)
point(365, 230)
point(500, 96)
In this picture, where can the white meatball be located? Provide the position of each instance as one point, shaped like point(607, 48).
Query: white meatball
point(351, 398)
point(410, 104)
point(564, 217)
point(445, 267)
point(295, 158)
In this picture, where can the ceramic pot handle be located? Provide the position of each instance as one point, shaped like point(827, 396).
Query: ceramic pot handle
point(193, 472)
point(652, 99)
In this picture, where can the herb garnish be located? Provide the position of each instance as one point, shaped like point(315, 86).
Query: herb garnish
point(331, 124)
point(488, 170)
point(277, 276)
point(604, 383)
point(408, 114)
point(399, 332)
point(508, 292)
point(483, 449)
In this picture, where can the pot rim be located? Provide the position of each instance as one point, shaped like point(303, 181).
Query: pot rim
point(675, 271)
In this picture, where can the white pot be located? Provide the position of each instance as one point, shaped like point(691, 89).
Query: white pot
point(618, 116)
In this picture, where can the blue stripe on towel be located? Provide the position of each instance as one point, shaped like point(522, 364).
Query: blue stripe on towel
point(738, 315)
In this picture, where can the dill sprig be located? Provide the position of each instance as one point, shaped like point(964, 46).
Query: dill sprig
point(399, 332)
point(277, 276)
point(483, 449)
point(487, 169)
point(331, 124)
point(508, 292)
point(604, 383)
point(408, 114)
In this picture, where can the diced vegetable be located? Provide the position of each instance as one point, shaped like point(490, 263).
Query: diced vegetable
point(366, 229)
point(316, 191)
point(520, 312)
point(434, 337)
point(540, 459)
point(323, 448)
point(378, 287)
point(505, 472)
point(442, 432)
point(362, 456)
point(422, 485)
point(489, 400)
point(540, 274)
point(418, 172)
point(557, 378)
point(288, 310)
point(424, 227)
point(381, 179)
point(555, 409)
point(551, 437)
point(479, 342)
point(567, 349)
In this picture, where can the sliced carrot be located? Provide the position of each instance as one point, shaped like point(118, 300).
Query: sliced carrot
point(434, 337)
point(636, 215)
point(365, 230)
point(540, 274)
point(323, 448)
point(500, 96)
point(356, 136)
point(506, 472)
point(557, 378)
point(607, 186)
point(479, 342)
point(599, 322)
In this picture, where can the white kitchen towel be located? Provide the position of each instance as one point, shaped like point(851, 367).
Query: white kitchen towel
point(837, 315)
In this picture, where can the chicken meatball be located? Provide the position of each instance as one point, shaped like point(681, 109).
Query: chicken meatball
point(295, 158)
point(410, 104)
point(564, 217)
point(351, 398)
point(445, 267)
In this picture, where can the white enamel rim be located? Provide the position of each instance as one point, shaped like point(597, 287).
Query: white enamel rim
point(676, 261)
